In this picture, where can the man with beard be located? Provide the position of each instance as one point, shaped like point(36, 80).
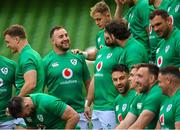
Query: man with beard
point(168, 52)
point(137, 16)
point(145, 107)
point(66, 73)
point(154, 39)
point(29, 76)
point(42, 111)
point(102, 91)
point(169, 81)
point(123, 101)
point(133, 51)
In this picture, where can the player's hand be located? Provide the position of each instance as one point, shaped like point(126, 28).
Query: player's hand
point(87, 112)
point(76, 51)
point(120, 2)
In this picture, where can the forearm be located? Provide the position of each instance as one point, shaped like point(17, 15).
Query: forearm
point(71, 123)
point(118, 12)
point(26, 89)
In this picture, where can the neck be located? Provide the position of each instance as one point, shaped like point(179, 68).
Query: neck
point(170, 31)
point(58, 51)
point(22, 44)
point(173, 89)
point(157, 3)
point(122, 43)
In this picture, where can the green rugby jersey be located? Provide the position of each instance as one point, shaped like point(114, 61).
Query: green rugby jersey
point(7, 80)
point(133, 53)
point(28, 60)
point(48, 112)
point(170, 111)
point(148, 101)
point(122, 105)
point(168, 52)
point(104, 90)
point(65, 76)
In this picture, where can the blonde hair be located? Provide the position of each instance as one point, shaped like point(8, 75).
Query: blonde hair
point(100, 7)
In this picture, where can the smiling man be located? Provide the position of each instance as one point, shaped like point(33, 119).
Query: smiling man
point(122, 103)
point(66, 73)
point(168, 52)
point(29, 71)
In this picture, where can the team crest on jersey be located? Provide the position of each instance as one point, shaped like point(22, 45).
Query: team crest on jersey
point(99, 56)
point(177, 8)
point(99, 39)
point(167, 48)
point(74, 61)
point(1, 82)
point(55, 64)
point(139, 105)
point(168, 107)
point(120, 118)
point(159, 61)
point(150, 29)
point(109, 55)
point(4, 70)
point(161, 108)
point(124, 107)
point(99, 66)
point(67, 73)
point(40, 117)
point(29, 119)
point(161, 119)
point(157, 51)
point(117, 107)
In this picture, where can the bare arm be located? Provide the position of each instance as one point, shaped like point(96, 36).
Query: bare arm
point(127, 122)
point(177, 125)
point(119, 10)
point(90, 55)
point(87, 84)
point(143, 120)
point(89, 100)
point(30, 78)
point(158, 126)
point(71, 117)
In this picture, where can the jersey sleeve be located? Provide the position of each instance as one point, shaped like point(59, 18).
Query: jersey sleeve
point(28, 64)
point(57, 107)
point(133, 107)
point(153, 101)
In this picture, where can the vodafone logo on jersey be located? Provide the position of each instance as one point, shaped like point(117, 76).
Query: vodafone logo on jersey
point(67, 73)
point(99, 66)
point(161, 119)
point(159, 61)
point(120, 118)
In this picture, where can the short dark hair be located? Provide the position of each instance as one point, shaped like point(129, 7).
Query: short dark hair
point(164, 14)
point(172, 70)
point(54, 29)
point(121, 68)
point(15, 30)
point(15, 106)
point(119, 28)
point(152, 68)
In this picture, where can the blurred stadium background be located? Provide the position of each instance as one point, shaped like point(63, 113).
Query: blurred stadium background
point(38, 17)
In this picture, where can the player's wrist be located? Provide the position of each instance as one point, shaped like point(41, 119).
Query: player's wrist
point(85, 54)
point(86, 103)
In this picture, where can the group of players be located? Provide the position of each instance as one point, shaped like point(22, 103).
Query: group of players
point(136, 73)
